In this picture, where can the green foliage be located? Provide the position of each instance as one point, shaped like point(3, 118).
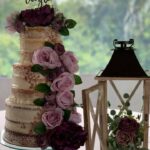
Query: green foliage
point(43, 87)
point(67, 114)
point(78, 79)
point(39, 102)
point(40, 128)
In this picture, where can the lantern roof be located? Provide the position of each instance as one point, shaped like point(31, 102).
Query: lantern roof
point(123, 62)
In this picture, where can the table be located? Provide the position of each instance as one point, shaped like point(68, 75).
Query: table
point(2, 124)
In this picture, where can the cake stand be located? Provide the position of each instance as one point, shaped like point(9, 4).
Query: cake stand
point(4, 143)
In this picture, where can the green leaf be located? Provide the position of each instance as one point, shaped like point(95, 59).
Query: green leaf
point(48, 44)
point(70, 23)
point(113, 112)
point(67, 114)
point(40, 128)
point(64, 31)
point(43, 87)
point(129, 112)
point(126, 95)
point(46, 72)
point(127, 104)
point(73, 92)
point(78, 79)
point(36, 68)
point(109, 104)
point(39, 102)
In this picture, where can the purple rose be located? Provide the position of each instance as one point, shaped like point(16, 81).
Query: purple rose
point(64, 82)
point(38, 16)
point(52, 118)
point(64, 99)
point(70, 62)
point(67, 136)
point(128, 125)
point(124, 138)
point(59, 48)
point(46, 57)
point(75, 117)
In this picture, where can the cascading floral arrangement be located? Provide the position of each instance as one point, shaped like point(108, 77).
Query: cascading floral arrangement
point(126, 129)
point(42, 16)
point(59, 122)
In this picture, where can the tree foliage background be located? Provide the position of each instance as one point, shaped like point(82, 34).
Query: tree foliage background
point(99, 23)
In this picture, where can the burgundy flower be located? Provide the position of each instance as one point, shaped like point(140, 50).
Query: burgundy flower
point(124, 138)
point(42, 141)
point(37, 17)
point(128, 125)
point(55, 73)
point(50, 101)
point(58, 21)
point(59, 48)
point(14, 24)
point(67, 136)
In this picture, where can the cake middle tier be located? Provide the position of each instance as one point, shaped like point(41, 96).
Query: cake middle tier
point(24, 78)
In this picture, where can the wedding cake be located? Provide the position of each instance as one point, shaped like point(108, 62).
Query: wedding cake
point(41, 107)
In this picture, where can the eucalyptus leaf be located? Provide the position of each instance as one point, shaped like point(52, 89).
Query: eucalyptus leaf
point(126, 95)
point(43, 87)
point(40, 128)
point(113, 112)
point(129, 112)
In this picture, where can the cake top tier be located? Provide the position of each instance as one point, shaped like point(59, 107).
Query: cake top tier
point(40, 17)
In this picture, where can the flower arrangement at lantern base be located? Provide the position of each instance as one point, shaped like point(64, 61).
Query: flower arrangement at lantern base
point(126, 129)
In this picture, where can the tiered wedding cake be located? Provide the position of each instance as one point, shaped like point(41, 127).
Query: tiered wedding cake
point(37, 108)
point(21, 113)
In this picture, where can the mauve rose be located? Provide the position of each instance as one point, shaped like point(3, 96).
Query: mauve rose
point(124, 138)
point(38, 16)
point(70, 61)
point(128, 125)
point(64, 82)
point(46, 57)
point(75, 117)
point(59, 48)
point(65, 99)
point(67, 136)
point(52, 118)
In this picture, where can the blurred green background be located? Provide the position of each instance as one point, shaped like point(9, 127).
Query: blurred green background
point(99, 23)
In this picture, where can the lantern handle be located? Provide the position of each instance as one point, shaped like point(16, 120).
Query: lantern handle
point(124, 45)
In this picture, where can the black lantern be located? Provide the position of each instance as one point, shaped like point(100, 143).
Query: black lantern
point(119, 127)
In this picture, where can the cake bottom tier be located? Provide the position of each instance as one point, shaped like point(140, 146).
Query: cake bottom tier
point(19, 139)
